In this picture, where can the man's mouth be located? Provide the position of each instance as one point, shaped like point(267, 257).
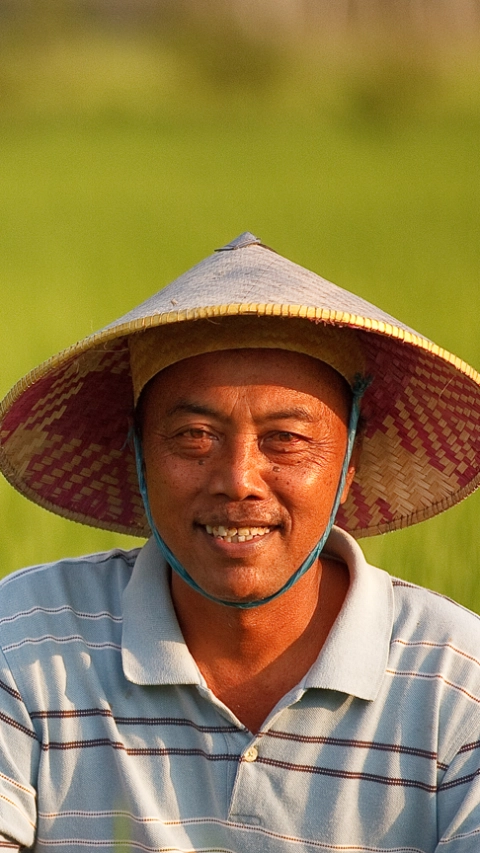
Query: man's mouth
point(237, 534)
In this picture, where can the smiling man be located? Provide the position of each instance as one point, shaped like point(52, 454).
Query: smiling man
point(245, 681)
point(243, 459)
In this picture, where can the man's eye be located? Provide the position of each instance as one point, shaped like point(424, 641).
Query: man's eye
point(195, 435)
point(283, 442)
point(286, 437)
point(194, 440)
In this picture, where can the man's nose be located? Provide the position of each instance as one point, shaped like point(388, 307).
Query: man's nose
point(238, 470)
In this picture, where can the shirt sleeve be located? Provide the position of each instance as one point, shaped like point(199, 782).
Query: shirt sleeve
point(19, 755)
point(459, 800)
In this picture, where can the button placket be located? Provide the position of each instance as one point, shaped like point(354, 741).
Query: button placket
point(244, 800)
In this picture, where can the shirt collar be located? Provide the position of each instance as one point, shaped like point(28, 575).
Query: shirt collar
point(355, 653)
point(153, 648)
point(352, 660)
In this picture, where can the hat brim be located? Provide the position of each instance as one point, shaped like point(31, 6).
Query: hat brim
point(65, 427)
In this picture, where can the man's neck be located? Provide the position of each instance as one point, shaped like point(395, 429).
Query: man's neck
point(251, 658)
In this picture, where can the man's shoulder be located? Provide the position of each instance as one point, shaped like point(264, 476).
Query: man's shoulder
point(84, 584)
point(37, 575)
point(425, 616)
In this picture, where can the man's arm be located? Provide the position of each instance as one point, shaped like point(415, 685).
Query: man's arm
point(19, 755)
point(459, 799)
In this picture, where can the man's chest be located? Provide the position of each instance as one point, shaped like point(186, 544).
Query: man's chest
point(167, 768)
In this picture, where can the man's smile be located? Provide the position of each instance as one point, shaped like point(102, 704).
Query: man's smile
point(237, 534)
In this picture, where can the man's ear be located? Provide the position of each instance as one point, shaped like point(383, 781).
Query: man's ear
point(352, 468)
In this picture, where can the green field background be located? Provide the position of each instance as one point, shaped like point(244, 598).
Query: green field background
point(129, 153)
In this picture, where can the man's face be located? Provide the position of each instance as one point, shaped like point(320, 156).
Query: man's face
point(243, 452)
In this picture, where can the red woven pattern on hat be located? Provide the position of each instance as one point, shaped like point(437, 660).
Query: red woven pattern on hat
point(77, 457)
point(430, 435)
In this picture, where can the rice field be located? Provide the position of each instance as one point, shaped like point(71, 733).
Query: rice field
point(121, 166)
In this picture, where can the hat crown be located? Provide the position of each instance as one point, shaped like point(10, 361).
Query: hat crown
point(245, 239)
point(255, 276)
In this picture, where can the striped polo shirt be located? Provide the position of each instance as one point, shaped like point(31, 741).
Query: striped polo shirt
point(111, 739)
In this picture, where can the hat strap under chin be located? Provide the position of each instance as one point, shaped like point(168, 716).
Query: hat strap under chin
point(360, 385)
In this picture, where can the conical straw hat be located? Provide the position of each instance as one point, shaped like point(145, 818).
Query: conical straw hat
point(64, 428)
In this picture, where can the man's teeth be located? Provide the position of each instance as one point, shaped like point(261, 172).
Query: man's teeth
point(236, 534)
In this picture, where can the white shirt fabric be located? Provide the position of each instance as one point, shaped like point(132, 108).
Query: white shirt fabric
point(109, 735)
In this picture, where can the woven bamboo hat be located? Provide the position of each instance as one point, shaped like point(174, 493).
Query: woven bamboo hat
point(64, 428)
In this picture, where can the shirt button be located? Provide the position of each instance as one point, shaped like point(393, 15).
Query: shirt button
point(251, 754)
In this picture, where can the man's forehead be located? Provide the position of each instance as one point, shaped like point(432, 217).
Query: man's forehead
point(271, 410)
point(197, 382)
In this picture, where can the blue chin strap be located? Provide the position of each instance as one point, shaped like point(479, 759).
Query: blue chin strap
point(359, 387)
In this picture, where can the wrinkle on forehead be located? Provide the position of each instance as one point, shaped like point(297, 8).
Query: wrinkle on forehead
point(240, 369)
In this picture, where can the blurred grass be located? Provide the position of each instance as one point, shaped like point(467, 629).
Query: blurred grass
point(128, 154)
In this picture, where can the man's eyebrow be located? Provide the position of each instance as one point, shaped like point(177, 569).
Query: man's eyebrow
point(300, 413)
point(189, 407)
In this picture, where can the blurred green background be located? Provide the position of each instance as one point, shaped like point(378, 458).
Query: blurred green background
point(137, 137)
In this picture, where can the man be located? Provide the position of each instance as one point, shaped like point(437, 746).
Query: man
point(245, 681)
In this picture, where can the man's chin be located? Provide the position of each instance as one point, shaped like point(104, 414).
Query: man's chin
point(235, 585)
